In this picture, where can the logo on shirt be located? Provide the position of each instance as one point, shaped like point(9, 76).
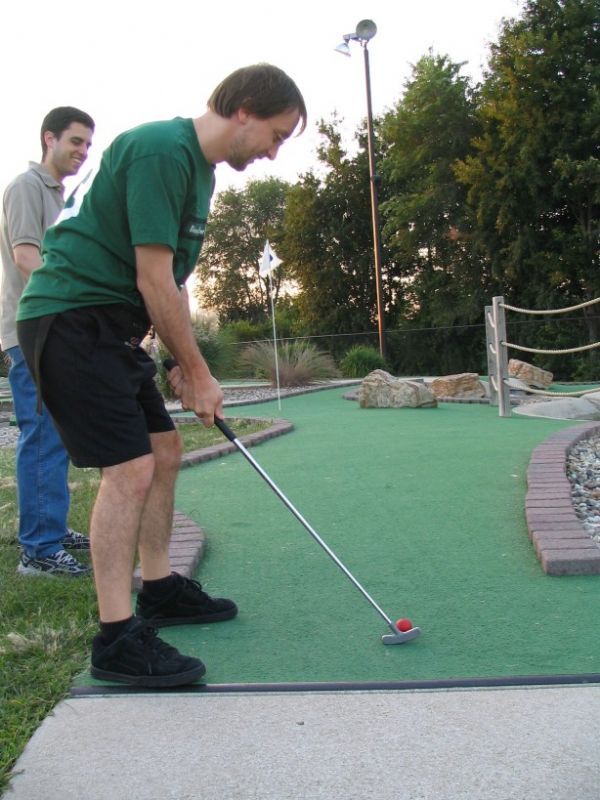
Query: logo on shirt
point(194, 228)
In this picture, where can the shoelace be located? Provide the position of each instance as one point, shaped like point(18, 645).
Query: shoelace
point(148, 636)
point(196, 586)
point(75, 536)
point(64, 558)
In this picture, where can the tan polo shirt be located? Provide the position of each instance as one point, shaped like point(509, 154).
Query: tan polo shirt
point(32, 202)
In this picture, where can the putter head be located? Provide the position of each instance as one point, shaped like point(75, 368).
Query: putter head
point(401, 637)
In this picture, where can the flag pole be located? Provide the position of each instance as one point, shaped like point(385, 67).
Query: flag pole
point(267, 264)
point(275, 341)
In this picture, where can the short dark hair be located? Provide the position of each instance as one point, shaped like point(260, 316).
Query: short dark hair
point(260, 89)
point(59, 119)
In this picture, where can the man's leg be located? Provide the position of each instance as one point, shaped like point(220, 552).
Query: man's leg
point(114, 531)
point(157, 516)
point(42, 466)
point(168, 598)
point(41, 463)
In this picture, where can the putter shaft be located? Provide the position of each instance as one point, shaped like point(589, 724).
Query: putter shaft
point(226, 430)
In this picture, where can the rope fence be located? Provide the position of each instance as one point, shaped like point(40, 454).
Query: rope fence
point(497, 352)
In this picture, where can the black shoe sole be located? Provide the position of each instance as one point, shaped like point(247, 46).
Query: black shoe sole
point(165, 622)
point(150, 681)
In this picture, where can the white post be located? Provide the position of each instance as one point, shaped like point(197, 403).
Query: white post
point(499, 329)
point(492, 368)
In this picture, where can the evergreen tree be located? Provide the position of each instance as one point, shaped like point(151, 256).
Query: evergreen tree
point(534, 182)
point(441, 281)
point(328, 240)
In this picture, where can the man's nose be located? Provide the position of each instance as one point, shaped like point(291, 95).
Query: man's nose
point(272, 151)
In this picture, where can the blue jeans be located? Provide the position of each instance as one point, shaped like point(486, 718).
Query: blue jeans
point(42, 467)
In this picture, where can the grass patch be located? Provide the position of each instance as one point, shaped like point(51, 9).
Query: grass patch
point(196, 436)
point(46, 625)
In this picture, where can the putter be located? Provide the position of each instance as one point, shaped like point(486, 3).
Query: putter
point(396, 636)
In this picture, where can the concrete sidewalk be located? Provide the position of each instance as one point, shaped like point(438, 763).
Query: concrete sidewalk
point(502, 744)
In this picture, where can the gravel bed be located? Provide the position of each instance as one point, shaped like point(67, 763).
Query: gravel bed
point(8, 435)
point(583, 471)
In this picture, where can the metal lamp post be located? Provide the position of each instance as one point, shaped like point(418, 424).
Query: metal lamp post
point(365, 31)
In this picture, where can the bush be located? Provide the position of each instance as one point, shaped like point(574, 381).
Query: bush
point(245, 331)
point(216, 347)
point(300, 363)
point(360, 360)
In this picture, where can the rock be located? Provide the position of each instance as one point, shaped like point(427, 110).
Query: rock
point(580, 408)
point(379, 389)
point(533, 376)
point(465, 384)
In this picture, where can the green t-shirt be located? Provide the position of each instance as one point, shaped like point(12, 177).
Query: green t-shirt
point(153, 187)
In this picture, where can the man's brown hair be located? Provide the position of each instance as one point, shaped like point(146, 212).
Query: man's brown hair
point(262, 90)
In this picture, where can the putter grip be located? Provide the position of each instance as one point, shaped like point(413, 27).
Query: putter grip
point(168, 364)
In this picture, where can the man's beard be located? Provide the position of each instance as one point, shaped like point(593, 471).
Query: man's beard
point(240, 157)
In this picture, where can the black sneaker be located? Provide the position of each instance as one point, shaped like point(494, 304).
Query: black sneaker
point(75, 541)
point(185, 603)
point(140, 658)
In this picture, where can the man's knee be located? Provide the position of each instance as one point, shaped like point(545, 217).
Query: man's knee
point(167, 449)
point(131, 479)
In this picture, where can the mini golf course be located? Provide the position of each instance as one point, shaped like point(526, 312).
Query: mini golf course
point(426, 508)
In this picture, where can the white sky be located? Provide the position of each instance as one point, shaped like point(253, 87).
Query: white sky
point(131, 61)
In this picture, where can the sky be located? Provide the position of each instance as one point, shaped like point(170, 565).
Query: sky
point(126, 62)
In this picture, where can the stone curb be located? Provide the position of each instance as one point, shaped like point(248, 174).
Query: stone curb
point(188, 540)
point(561, 543)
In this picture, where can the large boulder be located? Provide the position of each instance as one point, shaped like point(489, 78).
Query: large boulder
point(465, 384)
point(379, 389)
point(533, 376)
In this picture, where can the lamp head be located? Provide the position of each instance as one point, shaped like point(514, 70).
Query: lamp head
point(343, 48)
point(365, 30)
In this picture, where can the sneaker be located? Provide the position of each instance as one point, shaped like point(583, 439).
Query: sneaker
point(60, 564)
point(140, 658)
point(185, 603)
point(75, 541)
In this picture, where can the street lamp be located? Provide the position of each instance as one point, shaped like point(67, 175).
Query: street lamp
point(365, 31)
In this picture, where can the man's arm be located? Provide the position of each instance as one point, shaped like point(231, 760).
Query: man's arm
point(169, 312)
point(27, 258)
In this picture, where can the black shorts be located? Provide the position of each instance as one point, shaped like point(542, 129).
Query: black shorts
point(97, 382)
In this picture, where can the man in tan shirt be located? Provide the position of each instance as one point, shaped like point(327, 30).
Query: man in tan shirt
point(31, 204)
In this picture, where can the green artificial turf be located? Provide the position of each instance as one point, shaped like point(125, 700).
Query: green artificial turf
point(426, 508)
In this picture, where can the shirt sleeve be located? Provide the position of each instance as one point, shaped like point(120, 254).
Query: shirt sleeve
point(156, 190)
point(24, 212)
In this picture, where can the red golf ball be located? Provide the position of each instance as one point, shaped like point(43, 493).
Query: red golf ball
point(404, 625)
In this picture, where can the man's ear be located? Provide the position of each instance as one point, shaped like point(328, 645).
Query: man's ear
point(49, 139)
point(242, 115)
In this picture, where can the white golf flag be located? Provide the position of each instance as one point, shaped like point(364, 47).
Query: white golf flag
point(268, 262)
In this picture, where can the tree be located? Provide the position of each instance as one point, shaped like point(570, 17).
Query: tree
point(328, 240)
point(228, 269)
point(534, 181)
point(441, 280)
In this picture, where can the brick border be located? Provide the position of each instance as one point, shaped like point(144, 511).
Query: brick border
point(188, 540)
point(278, 428)
point(562, 544)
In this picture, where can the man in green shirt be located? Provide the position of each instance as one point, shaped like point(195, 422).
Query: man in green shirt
point(111, 268)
